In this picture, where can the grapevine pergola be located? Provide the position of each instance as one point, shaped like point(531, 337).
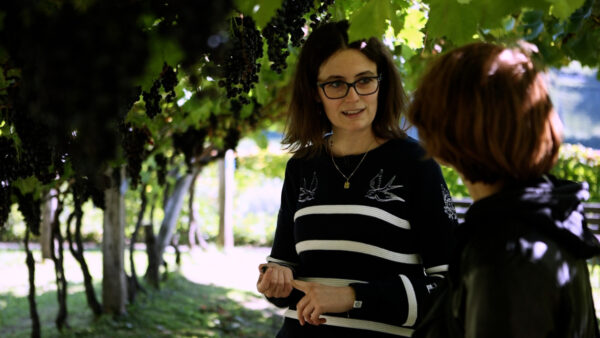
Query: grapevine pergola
point(100, 97)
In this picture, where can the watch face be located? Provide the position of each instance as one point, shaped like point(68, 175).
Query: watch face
point(357, 304)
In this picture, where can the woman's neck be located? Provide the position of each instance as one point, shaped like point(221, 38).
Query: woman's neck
point(343, 144)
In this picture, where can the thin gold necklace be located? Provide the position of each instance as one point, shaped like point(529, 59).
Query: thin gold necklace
point(347, 183)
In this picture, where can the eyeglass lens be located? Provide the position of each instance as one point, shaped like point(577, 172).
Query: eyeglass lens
point(339, 89)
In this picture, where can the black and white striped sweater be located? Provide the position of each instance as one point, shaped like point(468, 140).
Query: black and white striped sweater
point(388, 236)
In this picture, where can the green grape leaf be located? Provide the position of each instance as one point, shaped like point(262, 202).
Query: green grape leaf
point(161, 50)
point(28, 185)
point(412, 33)
point(452, 20)
point(266, 11)
point(370, 20)
point(562, 9)
point(246, 6)
point(492, 13)
point(398, 16)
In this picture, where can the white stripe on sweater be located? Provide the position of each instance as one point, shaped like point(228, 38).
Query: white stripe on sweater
point(357, 247)
point(354, 210)
point(411, 298)
point(359, 324)
point(437, 269)
point(331, 281)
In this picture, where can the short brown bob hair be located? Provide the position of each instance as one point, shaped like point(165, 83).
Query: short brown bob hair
point(307, 123)
point(484, 110)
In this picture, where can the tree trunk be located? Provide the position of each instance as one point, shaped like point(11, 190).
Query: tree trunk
point(134, 285)
point(58, 258)
point(77, 252)
point(33, 313)
point(114, 283)
point(172, 209)
point(152, 272)
point(194, 233)
point(226, 189)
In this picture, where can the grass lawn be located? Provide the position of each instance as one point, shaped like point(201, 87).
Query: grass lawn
point(181, 308)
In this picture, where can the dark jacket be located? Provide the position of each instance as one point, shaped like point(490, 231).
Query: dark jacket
point(519, 269)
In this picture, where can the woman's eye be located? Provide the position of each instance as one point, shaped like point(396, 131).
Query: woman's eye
point(365, 80)
point(336, 84)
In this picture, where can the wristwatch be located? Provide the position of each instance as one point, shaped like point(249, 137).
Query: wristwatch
point(357, 304)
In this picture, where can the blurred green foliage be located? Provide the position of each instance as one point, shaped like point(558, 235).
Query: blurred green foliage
point(575, 163)
point(579, 163)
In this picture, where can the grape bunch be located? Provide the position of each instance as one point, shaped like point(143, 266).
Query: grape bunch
point(240, 67)
point(5, 204)
point(152, 99)
point(30, 208)
point(78, 68)
point(134, 142)
point(191, 144)
point(168, 80)
point(8, 173)
point(232, 138)
point(198, 26)
point(321, 16)
point(286, 26)
point(161, 170)
point(84, 189)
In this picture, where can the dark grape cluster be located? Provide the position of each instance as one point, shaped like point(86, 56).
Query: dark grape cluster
point(198, 26)
point(161, 170)
point(191, 144)
point(78, 69)
point(232, 138)
point(8, 173)
point(5, 204)
point(286, 26)
point(134, 142)
point(83, 189)
point(321, 16)
point(152, 99)
point(31, 208)
point(168, 80)
point(240, 68)
point(8, 161)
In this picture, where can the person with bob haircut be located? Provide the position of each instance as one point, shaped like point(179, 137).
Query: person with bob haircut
point(519, 267)
point(364, 228)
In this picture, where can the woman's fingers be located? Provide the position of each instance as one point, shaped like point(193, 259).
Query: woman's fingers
point(274, 280)
point(300, 309)
point(263, 282)
point(306, 313)
point(278, 283)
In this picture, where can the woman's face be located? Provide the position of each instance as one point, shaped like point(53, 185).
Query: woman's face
point(353, 112)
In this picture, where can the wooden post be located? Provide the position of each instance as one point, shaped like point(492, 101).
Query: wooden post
point(226, 190)
point(48, 210)
point(114, 285)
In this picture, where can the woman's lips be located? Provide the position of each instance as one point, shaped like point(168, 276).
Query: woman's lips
point(351, 112)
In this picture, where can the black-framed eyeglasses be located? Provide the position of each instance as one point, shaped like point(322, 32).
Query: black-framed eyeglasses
point(338, 89)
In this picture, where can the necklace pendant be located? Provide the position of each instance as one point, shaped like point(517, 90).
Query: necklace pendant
point(346, 185)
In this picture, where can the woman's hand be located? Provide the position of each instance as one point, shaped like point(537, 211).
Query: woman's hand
point(274, 280)
point(319, 299)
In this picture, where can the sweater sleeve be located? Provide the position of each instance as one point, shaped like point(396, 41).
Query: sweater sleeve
point(404, 300)
point(283, 251)
point(433, 217)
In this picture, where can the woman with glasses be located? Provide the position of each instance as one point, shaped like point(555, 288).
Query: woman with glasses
point(519, 269)
point(364, 228)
